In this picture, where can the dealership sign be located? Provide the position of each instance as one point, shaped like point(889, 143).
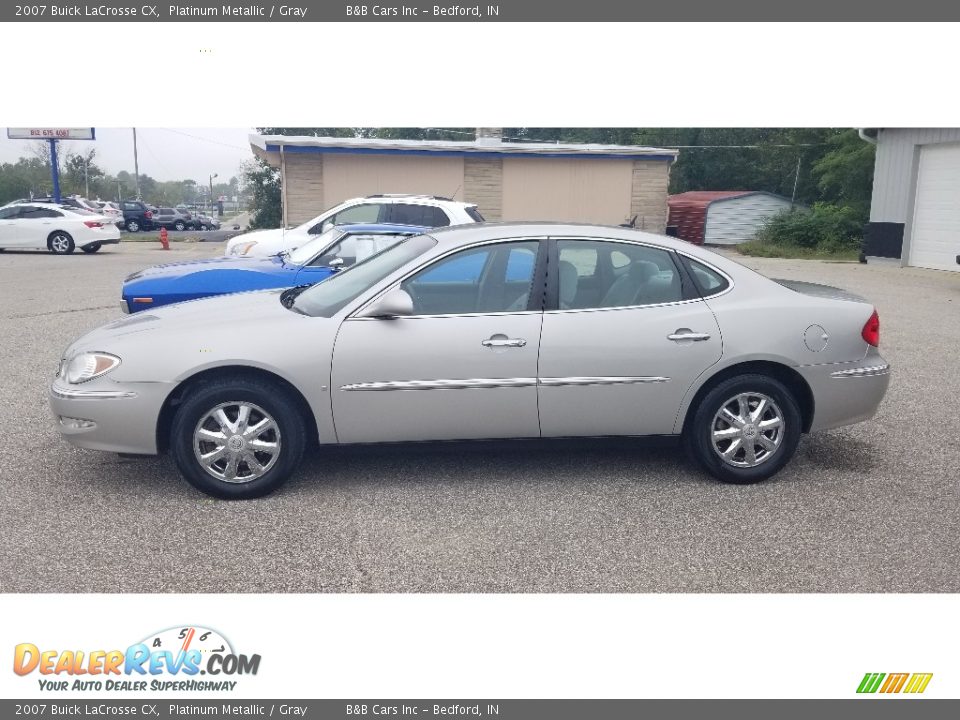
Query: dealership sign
point(51, 133)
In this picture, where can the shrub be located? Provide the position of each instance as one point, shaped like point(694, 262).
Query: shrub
point(825, 228)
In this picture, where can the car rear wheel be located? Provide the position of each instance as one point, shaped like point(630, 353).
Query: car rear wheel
point(60, 243)
point(133, 226)
point(745, 429)
point(238, 438)
point(91, 248)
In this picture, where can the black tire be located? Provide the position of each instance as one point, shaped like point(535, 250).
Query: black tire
point(60, 243)
point(91, 248)
point(132, 225)
point(698, 437)
point(179, 226)
point(274, 400)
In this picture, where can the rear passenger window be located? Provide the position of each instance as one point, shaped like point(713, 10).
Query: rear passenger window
point(422, 215)
point(595, 274)
point(708, 281)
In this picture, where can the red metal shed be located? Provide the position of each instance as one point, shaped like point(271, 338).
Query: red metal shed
point(688, 211)
point(723, 217)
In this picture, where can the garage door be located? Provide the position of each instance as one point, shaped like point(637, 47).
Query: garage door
point(935, 237)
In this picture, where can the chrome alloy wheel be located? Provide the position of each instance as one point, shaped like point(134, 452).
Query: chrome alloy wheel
point(237, 442)
point(60, 243)
point(747, 430)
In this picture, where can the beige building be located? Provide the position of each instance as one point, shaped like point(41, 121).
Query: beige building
point(607, 184)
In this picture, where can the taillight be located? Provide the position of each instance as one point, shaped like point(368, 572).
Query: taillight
point(92, 224)
point(148, 214)
point(871, 330)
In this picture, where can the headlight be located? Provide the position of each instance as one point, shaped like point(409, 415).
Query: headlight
point(90, 365)
point(242, 248)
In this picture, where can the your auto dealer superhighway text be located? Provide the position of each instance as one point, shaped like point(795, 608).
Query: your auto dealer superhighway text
point(148, 11)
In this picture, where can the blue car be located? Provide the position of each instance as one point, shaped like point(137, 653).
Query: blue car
point(336, 249)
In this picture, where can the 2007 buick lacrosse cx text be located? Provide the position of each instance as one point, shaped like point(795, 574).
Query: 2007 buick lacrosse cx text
point(527, 330)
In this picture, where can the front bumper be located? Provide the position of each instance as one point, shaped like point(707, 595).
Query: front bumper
point(846, 393)
point(109, 416)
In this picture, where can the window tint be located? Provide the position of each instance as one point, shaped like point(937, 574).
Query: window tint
point(710, 282)
point(607, 274)
point(357, 214)
point(9, 213)
point(475, 215)
point(422, 215)
point(38, 213)
point(492, 278)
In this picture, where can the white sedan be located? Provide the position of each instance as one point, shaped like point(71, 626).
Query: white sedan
point(59, 229)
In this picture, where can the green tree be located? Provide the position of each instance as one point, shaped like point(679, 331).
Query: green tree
point(845, 173)
point(263, 184)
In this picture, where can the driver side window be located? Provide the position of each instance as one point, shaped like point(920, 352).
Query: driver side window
point(365, 213)
point(487, 279)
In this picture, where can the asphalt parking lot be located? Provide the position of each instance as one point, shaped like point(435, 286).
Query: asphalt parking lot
point(870, 508)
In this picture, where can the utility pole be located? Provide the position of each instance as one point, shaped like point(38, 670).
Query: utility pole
point(86, 177)
point(136, 166)
point(796, 179)
point(55, 170)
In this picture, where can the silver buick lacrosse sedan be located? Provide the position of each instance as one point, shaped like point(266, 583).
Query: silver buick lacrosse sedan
point(481, 331)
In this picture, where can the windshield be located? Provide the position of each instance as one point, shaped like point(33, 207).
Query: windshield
point(326, 298)
point(304, 254)
point(352, 248)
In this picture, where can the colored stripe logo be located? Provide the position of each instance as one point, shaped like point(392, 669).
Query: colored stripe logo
point(914, 683)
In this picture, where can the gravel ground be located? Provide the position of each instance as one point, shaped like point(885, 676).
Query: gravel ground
point(870, 508)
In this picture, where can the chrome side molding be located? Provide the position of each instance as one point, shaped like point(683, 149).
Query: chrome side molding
point(871, 371)
point(492, 383)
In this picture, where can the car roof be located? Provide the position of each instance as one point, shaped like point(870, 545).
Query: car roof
point(385, 228)
point(399, 197)
point(465, 234)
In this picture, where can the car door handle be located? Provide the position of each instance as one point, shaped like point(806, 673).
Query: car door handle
point(687, 335)
point(496, 342)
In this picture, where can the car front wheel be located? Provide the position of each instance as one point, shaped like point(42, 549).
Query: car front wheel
point(133, 226)
point(238, 438)
point(745, 429)
point(179, 226)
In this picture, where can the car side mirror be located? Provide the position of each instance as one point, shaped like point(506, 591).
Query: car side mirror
point(396, 303)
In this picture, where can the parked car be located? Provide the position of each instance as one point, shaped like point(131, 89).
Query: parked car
point(420, 210)
point(69, 201)
point(493, 331)
point(208, 222)
point(57, 228)
point(339, 247)
point(111, 210)
point(137, 215)
point(174, 219)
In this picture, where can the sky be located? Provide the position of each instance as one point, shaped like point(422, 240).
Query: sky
point(164, 153)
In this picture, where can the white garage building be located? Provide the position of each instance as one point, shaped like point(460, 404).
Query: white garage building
point(915, 208)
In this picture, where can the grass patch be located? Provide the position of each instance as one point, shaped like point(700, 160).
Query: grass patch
point(763, 248)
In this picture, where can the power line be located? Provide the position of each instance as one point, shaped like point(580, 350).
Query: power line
point(203, 139)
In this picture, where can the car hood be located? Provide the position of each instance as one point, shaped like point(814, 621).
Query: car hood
point(169, 343)
point(180, 269)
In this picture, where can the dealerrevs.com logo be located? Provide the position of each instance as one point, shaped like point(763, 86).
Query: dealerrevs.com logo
point(181, 659)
